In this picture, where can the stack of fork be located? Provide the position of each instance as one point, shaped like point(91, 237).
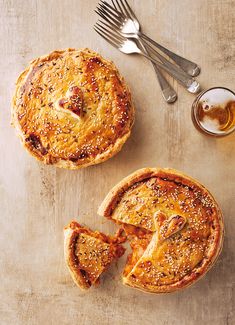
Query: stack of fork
point(121, 28)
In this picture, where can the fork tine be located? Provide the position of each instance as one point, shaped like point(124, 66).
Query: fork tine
point(114, 36)
point(111, 22)
point(131, 12)
point(107, 39)
point(110, 31)
point(114, 5)
point(108, 24)
point(110, 8)
point(127, 11)
point(122, 7)
point(106, 8)
point(110, 16)
point(107, 36)
point(117, 6)
point(102, 15)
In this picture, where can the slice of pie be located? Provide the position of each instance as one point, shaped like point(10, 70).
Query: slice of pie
point(174, 226)
point(88, 254)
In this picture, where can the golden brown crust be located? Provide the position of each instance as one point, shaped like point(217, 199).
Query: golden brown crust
point(88, 254)
point(76, 274)
point(110, 201)
point(198, 229)
point(72, 109)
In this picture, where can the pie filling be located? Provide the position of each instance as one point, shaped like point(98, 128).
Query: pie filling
point(172, 229)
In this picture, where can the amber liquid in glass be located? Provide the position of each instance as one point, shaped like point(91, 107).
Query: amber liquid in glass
point(213, 112)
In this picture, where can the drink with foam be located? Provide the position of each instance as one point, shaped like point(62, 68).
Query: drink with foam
point(213, 111)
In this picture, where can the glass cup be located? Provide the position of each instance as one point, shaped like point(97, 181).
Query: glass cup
point(213, 111)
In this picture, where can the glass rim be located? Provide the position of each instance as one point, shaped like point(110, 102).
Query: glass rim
point(196, 121)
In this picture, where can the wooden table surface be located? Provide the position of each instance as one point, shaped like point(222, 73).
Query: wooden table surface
point(36, 201)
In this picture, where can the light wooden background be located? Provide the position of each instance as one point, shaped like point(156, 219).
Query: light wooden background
point(36, 201)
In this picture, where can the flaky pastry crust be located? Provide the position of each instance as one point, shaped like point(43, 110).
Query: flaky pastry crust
point(72, 109)
point(88, 254)
point(174, 224)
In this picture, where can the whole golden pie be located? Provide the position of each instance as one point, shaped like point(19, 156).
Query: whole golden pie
point(72, 109)
point(174, 226)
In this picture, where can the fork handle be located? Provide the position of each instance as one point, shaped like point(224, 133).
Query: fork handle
point(188, 66)
point(168, 92)
point(182, 77)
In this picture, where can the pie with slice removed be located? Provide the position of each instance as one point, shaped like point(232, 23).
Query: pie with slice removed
point(174, 226)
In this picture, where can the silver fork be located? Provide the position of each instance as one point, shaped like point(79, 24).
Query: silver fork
point(122, 16)
point(128, 46)
point(168, 93)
